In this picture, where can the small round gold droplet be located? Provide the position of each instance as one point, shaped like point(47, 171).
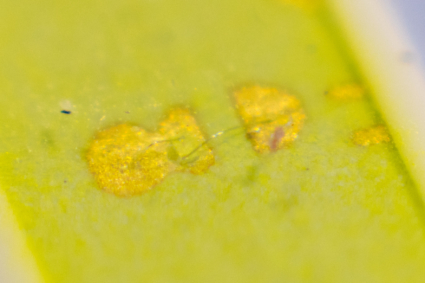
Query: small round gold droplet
point(347, 92)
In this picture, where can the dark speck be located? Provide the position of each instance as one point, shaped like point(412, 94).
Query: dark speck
point(66, 112)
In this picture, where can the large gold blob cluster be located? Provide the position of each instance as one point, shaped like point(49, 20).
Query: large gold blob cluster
point(272, 118)
point(127, 160)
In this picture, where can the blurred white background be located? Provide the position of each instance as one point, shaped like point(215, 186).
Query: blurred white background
point(412, 15)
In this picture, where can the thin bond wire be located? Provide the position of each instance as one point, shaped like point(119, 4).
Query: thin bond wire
point(208, 140)
point(216, 135)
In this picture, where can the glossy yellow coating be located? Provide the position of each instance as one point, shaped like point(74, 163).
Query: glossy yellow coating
point(321, 210)
point(302, 3)
point(272, 118)
point(127, 160)
point(347, 92)
point(373, 135)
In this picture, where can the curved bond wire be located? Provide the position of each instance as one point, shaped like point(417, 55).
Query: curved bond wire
point(184, 158)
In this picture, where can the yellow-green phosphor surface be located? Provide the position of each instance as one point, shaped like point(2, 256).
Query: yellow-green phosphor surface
point(318, 207)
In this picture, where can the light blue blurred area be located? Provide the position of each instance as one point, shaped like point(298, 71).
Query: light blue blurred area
point(412, 15)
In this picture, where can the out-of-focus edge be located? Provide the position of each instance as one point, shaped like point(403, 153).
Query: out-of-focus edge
point(389, 63)
point(17, 263)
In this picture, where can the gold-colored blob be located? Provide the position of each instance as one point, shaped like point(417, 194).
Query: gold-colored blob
point(127, 160)
point(188, 146)
point(272, 118)
point(374, 135)
point(347, 92)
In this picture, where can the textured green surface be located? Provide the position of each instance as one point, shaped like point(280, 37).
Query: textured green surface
point(323, 210)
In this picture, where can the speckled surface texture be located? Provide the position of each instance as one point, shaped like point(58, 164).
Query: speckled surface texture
point(320, 210)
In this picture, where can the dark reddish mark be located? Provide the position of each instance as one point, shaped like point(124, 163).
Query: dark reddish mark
point(66, 112)
point(276, 137)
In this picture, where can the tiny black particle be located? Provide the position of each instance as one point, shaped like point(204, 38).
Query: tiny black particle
point(66, 112)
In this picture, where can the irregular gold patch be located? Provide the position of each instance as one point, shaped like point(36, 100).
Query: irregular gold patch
point(347, 92)
point(188, 144)
point(127, 160)
point(373, 135)
point(272, 118)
